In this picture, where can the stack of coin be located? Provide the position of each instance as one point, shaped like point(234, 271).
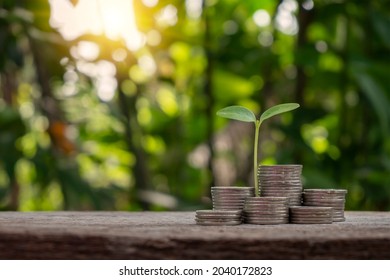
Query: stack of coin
point(266, 210)
point(311, 215)
point(334, 198)
point(218, 217)
point(230, 198)
point(281, 180)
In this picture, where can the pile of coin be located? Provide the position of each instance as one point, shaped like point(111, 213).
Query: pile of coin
point(230, 198)
point(218, 217)
point(334, 198)
point(311, 215)
point(281, 181)
point(266, 210)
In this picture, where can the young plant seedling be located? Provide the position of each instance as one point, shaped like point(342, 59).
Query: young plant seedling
point(243, 114)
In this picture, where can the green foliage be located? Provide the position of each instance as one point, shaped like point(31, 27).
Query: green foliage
point(278, 109)
point(238, 113)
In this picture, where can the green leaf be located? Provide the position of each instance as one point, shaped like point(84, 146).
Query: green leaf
point(278, 109)
point(238, 113)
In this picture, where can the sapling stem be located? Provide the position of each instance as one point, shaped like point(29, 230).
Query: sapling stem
point(255, 153)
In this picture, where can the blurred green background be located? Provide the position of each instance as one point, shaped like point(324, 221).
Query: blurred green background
point(110, 105)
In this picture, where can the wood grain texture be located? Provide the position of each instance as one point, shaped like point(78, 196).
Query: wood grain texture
point(174, 235)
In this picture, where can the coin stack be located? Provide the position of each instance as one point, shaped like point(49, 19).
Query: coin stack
point(218, 217)
point(311, 215)
point(334, 198)
point(230, 198)
point(266, 210)
point(281, 181)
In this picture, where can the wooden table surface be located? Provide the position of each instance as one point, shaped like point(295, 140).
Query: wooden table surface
point(174, 235)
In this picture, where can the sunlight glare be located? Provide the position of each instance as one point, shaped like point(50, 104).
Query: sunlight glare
point(113, 18)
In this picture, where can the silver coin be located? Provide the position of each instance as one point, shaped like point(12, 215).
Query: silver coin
point(264, 212)
point(308, 198)
point(273, 205)
point(240, 206)
point(314, 203)
point(233, 189)
point(265, 218)
point(262, 222)
point(265, 199)
point(229, 203)
point(224, 202)
point(280, 176)
point(279, 205)
point(310, 222)
point(220, 214)
point(209, 211)
point(279, 173)
point(239, 194)
point(310, 208)
point(266, 207)
point(223, 196)
point(280, 189)
point(313, 217)
point(323, 205)
point(214, 212)
point(219, 219)
point(328, 217)
point(208, 223)
point(323, 199)
point(257, 213)
point(338, 206)
point(260, 212)
point(337, 215)
point(217, 199)
point(281, 185)
point(281, 180)
point(339, 201)
point(229, 198)
point(234, 207)
point(313, 213)
point(281, 194)
point(326, 191)
point(335, 209)
point(281, 166)
point(227, 207)
point(273, 168)
point(216, 219)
